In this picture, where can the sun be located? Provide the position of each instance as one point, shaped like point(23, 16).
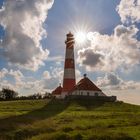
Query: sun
point(80, 37)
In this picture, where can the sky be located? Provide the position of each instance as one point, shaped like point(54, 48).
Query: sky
point(32, 44)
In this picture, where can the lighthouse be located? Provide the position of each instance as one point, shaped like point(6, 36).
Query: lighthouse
point(85, 88)
point(69, 66)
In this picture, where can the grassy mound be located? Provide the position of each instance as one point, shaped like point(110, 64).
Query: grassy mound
point(64, 120)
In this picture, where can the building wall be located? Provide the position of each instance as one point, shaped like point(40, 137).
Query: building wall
point(88, 93)
point(64, 94)
point(93, 98)
point(57, 96)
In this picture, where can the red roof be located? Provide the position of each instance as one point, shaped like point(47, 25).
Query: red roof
point(57, 91)
point(86, 84)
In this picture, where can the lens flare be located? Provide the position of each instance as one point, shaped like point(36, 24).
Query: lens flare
point(80, 37)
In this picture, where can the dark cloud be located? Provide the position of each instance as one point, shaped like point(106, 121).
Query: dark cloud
point(113, 79)
point(90, 58)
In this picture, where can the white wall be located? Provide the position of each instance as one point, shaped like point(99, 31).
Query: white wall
point(57, 96)
point(87, 92)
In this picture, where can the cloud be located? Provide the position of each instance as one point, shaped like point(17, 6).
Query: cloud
point(32, 87)
point(129, 11)
point(56, 58)
point(121, 49)
point(16, 74)
point(17, 78)
point(89, 57)
point(3, 72)
point(110, 81)
point(23, 24)
point(52, 79)
point(122, 31)
point(114, 82)
point(20, 83)
point(78, 75)
point(6, 83)
point(48, 81)
point(108, 53)
point(46, 75)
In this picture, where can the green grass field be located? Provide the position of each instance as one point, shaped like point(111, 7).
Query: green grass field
point(63, 120)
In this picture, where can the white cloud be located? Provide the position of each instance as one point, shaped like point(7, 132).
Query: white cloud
point(47, 82)
point(129, 11)
point(17, 78)
point(56, 75)
point(46, 75)
point(56, 58)
point(78, 75)
point(3, 72)
point(23, 23)
point(32, 87)
point(20, 83)
point(6, 83)
point(27, 85)
point(16, 74)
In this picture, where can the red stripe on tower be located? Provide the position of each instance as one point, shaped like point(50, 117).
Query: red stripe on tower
point(69, 67)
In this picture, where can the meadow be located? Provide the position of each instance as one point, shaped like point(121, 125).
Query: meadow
point(68, 120)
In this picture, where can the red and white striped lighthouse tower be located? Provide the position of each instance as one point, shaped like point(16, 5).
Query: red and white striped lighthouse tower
point(69, 66)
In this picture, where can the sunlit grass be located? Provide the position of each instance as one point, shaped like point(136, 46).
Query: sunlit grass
point(75, 120)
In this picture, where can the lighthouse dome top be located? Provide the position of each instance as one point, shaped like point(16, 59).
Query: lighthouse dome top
point(69, 34)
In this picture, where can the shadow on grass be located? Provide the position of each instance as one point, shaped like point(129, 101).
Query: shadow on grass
point(88, 103)
point(11, 124)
